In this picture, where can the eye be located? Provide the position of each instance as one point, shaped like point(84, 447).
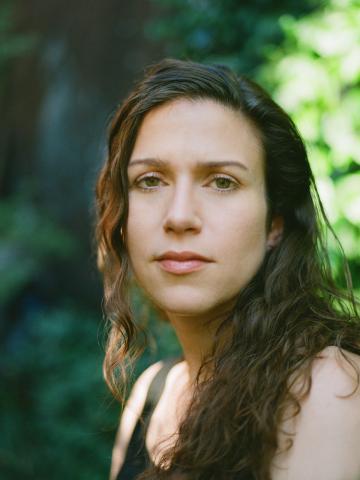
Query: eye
point(148, 182)
point(224, 183)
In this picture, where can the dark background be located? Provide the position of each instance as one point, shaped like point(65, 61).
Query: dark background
point(64, 66)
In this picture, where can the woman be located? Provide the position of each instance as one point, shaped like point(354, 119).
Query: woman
point(207, 200)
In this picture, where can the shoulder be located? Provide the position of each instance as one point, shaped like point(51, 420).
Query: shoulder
point(142, 384)
point(326, 433)
point(131, 414)
point(333, 403)
point(335, 372)
point(136, 401)
point(335, 356)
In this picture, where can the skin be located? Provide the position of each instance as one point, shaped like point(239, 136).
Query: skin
point(183, 204)
point(326, 433)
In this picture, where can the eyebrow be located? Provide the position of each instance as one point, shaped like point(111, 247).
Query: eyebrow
point(156, 162)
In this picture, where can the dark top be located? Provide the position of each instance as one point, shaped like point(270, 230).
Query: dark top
point(137, 458)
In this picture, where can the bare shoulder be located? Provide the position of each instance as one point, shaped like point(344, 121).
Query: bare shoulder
point(326, 433)
point(130, 416)
point(335, 392)
point(335, 371)
point(141, 386)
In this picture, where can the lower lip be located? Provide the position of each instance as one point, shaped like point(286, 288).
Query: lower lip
point(181, 267)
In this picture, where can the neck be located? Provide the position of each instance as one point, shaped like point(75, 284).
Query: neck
point(196, 336)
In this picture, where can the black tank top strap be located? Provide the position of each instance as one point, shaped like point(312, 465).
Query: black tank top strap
point(137, 457)
point(156, 389)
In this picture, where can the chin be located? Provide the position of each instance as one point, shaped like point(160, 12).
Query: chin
point(183, 305)
point(185, 308)
point(190, 311)
point(192, 307)
point(188, 300)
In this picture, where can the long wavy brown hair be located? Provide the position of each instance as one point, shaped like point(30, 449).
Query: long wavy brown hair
point(288, 313)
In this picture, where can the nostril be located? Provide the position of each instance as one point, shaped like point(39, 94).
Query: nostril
point(177, 224)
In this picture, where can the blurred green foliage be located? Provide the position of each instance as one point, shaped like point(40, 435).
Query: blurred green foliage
point(12, 44)
point(229, 32)
point(29, 240)
point(315, 76)
point(57, 418)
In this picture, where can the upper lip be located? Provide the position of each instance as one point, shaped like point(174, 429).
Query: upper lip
point(182, 256)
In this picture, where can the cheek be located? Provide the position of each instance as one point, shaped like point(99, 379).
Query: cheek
point(245, 239)
point(250, 232)
point(141, 228)
point(133, 233)
point(137, 224)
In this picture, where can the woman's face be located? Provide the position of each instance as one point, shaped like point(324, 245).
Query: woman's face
point(196, 184)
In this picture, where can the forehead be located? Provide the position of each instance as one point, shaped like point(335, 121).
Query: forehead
point(194, 130)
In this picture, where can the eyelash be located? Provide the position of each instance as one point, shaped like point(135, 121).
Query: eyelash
point(234, 184)
point(147, 189)
point(220, 190)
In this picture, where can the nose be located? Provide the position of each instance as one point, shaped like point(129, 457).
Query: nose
point(181, 213)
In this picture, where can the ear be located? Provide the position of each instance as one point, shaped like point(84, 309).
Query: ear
point(275, 233)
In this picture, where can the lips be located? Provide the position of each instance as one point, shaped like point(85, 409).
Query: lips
point(180, 263)
point(182, 256)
